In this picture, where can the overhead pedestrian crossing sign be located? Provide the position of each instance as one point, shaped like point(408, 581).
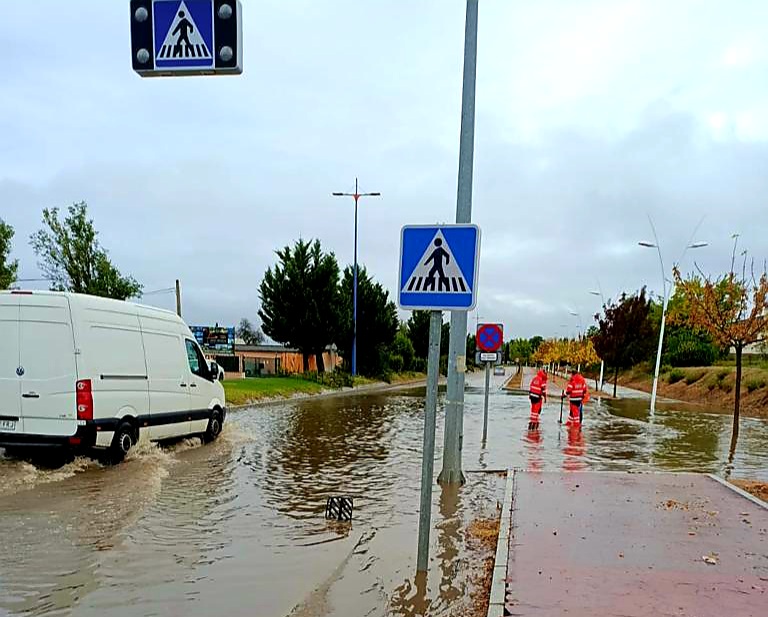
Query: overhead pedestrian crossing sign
point(438, 267)
point(186, 37)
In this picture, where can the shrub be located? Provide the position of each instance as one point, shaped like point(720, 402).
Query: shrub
point(722, 374)
point(694, 376)
point(676, 375)
point(685, 347)
point(726, 386)
point(755, 384)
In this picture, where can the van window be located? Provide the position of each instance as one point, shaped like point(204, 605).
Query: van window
point(197, 363)
point(165, 356)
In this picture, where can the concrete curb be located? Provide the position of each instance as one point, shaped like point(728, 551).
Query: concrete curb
point(499, 580)
point(736, 489)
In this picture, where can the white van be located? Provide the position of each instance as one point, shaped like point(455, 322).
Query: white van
point(88, 373)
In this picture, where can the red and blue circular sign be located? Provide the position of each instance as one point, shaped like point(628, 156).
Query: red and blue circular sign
point(490, 337)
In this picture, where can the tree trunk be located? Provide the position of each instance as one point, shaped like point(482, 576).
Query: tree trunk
point(320, 362)
point(305, 358)
point(737, 401)
point(615, 379)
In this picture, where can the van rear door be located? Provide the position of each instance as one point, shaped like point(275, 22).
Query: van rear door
point(10, 384)
point(47, 358)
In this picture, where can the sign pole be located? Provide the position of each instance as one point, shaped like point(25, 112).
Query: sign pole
point(485, 405)
point(457, 359)
point(428, 451)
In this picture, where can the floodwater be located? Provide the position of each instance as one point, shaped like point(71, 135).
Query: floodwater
point(237, 527)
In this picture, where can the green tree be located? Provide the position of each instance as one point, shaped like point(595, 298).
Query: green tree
point(418, 332)
point(626, 333)
point(250, 334)
point(402, 352)
point(71, 256)
point(535, 342)
point(300, 300)
point(8, 269)
point(521, 350)
point(377, 323)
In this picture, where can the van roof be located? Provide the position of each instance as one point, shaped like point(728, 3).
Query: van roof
point(43, 292)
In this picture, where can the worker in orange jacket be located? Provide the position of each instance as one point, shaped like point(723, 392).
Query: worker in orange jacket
point(578, 394)
point(537, 392)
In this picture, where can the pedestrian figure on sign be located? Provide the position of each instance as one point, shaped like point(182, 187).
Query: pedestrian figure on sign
point(184, 28)
point(436, 274)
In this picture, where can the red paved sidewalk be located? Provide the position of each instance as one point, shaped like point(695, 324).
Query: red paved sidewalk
point(629, 545)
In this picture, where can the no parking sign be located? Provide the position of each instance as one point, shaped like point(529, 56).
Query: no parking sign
point(490, 337)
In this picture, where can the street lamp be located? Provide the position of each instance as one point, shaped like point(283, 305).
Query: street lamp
point(656, 245)
point(602, 362)
point(356, 196)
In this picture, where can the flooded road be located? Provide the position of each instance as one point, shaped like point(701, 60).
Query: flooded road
point(237, 527)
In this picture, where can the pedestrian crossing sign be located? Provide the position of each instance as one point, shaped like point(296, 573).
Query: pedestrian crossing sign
point(183, 34)
point(186, 37)
point(438, 267)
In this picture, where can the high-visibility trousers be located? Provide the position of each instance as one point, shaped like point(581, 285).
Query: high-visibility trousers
point(574, 408)
point(537, 403)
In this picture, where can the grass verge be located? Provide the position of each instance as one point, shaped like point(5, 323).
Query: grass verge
point(244, 391)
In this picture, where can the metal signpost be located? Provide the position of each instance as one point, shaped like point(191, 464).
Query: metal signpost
point(438, 271)
point(489, 339)
point(186, 37)
point(457, 360)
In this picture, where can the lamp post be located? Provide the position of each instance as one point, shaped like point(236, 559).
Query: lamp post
point(356, 195)
point(665, 302)
point(602, 362)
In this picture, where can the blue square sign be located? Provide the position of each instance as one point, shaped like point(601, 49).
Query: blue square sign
point(438, 267)
point(183, 34)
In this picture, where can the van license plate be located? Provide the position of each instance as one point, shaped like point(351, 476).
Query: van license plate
point(7, 425)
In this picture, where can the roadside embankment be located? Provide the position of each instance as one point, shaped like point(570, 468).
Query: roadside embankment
point(713, 387)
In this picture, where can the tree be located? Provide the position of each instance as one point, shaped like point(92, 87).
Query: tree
point(733, 310)
point(402, 353)
point(418, 332)
point(626, 334)
point(520, 350)
point(71, 256)
point(377, 323)
point(535, 342)
point(300, 300)
point(8, 269)
point(249, 334)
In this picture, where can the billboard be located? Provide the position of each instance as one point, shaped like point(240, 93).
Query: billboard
point(215, 339)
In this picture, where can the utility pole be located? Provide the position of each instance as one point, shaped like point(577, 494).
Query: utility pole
point(356, 195)
point(178, 298)
point(457, 359)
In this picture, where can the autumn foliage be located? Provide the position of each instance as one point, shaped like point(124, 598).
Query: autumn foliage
point(732, 309)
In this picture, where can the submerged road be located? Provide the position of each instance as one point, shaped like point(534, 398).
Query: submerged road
point(237, 527)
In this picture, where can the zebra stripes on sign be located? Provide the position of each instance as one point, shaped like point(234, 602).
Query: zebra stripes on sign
point(421, 283)
point(186, 51)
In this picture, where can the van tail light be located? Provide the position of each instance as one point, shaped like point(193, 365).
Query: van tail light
point(84, 400)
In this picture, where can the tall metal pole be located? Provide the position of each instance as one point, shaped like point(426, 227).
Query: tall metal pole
point(485, 404)
point(356, 195)
point(178, 297)
point(354, 294)
point(457, 360)
point(428, 451)
point(663, 319)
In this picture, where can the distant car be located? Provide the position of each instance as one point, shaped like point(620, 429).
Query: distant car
point(499, 370)
point(215, 367)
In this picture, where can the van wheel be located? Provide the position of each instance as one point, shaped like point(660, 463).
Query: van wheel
point(214, 428)
point(122, 442)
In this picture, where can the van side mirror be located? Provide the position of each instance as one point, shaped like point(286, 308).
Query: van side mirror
point(214, 371)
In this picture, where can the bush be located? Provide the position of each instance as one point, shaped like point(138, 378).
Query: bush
point(726, 386)
point(722, 374)
point(755, 384)
point(676, 375)
point(694, 376)
point(684, 347)
point(396, 363)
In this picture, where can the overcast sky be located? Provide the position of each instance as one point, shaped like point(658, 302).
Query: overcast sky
point(591, 115)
